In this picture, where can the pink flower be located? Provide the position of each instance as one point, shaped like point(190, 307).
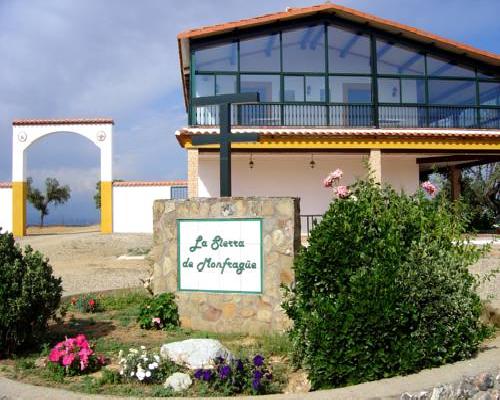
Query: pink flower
point(430, 188)
point(68, 359)
point(332, 177)
point(54, 355)
point(156, 320)
point(343, 192)
point(81, 340)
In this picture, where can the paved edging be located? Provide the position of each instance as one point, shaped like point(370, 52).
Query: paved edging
point(487, 361)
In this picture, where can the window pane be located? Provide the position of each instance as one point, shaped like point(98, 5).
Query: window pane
point(350, 89)
point(348, 52)
point(452, 92)
point(304, 49)
point(204, 86)
point(397, 59)
point(413, 90)
point(440, 67)
point(388, 90)
point(489, 93)
point(260, 54)
point(315, 88)
point(268, 86)
point(216, 58)
point(225, 84)
point(294, 88)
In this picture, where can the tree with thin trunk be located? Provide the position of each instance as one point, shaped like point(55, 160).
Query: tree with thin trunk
point(54, 193)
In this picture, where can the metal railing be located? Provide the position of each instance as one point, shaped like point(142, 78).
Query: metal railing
point(353, 115)
point(308, 222)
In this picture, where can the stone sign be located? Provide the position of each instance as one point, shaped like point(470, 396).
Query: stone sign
point(220, 255)
point(226, 259)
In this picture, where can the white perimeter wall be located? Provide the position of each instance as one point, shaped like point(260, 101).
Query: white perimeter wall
point(133, 207)
point(291, 175)
point(5, 209)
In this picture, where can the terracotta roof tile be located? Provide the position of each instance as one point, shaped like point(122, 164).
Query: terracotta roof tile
point(63, 121)
point(5, 185)
point(324, 132)
point(146, 183)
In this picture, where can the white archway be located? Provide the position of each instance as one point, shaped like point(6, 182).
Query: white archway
point(26, 132)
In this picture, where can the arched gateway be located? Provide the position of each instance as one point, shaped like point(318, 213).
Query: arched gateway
point(25, 132)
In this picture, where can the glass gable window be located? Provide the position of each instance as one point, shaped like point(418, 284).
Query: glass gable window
point(439, 67)
point(294, 88)
point(398, 60)
point(452, 92)
point(223, 57)
point(389, 90)
point(348, 52)
point(204, 85)
point(315, 88)
point(350, 89)
point(489, 93)
point(268, 86)
point(412, 91)
point(304, 49)
point(260, 54)
point(225, 84)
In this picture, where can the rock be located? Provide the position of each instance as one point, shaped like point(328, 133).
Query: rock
point(178, 382)
point(298, 382)
point(441, 393)
point(40, 362)
point(195, 353)
point(481, 396)
point(484, 381)
point(495, 394)
point(465, 390)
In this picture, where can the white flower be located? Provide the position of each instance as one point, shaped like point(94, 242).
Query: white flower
point(157, 358)
point(141, 374)
point(121, 372)
point(151, 366)
point(148, 374)
point(120, 353)
point(132, 373)
point(143, 347)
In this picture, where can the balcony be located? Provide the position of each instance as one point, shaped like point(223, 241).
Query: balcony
point(353, 116)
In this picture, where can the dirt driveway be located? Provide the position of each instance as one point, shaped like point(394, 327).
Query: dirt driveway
point(88, 261)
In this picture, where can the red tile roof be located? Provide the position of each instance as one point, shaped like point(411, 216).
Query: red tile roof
point(63, 121)
point(184, 133)
point(5, 185)
point(343, 12)
point(146, 183)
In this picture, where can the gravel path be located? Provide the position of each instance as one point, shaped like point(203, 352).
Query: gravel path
point(89, 261)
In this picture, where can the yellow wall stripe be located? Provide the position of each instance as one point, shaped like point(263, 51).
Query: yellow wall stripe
point(106, 207)
point(19, 194)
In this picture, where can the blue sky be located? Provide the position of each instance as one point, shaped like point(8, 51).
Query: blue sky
point(118, 58)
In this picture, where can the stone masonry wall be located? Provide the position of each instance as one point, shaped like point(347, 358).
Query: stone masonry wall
point(230, 312)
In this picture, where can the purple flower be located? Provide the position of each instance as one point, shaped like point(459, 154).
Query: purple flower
point(198, 374)
point(224, 372)
point(219, 360)
point(207, 375)
point(256, 384)
point(239, 365)
point(258, 360)
point(257, 374)
point(269, 376)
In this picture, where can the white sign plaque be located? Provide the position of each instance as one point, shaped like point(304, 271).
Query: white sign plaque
point(220, 255)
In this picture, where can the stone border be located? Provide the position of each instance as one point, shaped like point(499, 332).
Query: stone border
point(390, 388)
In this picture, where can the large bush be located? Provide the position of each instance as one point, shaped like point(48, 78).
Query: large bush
point(29, 295)
point(383, 288)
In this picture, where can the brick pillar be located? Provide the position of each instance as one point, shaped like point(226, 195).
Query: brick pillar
point(375, 162)
point(193, 162)
point(455, 175)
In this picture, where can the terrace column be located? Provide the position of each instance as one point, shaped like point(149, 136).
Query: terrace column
point(193, 162)
point(375, 162)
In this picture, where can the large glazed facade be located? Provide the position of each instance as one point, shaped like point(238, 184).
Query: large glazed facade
point(337, 86)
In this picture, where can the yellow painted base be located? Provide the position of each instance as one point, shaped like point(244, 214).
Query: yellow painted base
point(19, 194)
point(106, 207)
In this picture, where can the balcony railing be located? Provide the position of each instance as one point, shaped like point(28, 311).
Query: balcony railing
point(353, 115)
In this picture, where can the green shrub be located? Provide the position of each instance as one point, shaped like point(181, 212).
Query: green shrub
point(384, 289)
point(29, 295)
point(159, 312)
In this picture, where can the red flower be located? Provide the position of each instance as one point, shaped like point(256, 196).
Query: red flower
point(92, 303)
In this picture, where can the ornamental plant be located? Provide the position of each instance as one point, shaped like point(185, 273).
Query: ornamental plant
point(159, 312)
point(140, 365)
point(85, 303)
point(383, 288)
point(237, 376)
point(75, 355)
point(29, 295)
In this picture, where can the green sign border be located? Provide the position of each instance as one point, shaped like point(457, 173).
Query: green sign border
point(179, 220)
